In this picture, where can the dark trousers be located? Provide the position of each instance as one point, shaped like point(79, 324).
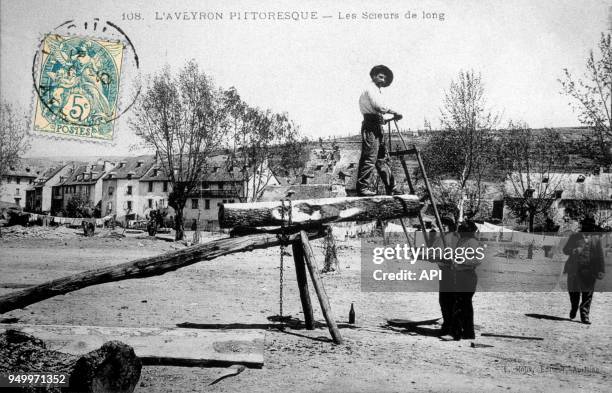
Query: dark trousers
point(464, 316)
point(446, 298)
point(373, 155)
point(584, 306)
point(463, 312)
point(578, 285)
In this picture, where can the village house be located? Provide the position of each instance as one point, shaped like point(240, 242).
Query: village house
point(154, 187)
point(14, 183)
point(223, 183)
point(122, 188)
point(85, 181)
point(44, 195)
point(569, 192)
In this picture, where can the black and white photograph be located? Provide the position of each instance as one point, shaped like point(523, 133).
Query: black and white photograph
point(315, 196)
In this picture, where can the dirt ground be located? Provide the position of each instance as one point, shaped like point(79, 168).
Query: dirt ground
point(243, 288)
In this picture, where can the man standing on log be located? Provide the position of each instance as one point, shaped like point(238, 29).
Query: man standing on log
point(373, 149)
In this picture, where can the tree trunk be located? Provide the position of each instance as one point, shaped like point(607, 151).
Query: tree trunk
point(531, 220)
point(112, 368)
point(140, 268)
point(179, 224)
point(305, 213)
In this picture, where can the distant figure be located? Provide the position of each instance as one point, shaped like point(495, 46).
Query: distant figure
point(583, 267)
point(373, 149)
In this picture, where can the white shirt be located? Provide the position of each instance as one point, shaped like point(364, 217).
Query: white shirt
point(371, 100)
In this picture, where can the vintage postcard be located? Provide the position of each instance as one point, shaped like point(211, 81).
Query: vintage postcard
point(314, 196)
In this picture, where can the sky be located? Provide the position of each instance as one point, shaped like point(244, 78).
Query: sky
point(315, 69)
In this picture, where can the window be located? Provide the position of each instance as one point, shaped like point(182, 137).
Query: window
point(111, 189)
point(194, 203)
point(207, 204)
point(16, 191)
point(150, 203)
point(155, 171)
point(18, 180)
point(580, 179)
point(129, 190)
point(220, 186)
point(129, 176)
point(165, 186)
point(150, 186)
point(129, 205)
point(225, 201)
point(545, 179)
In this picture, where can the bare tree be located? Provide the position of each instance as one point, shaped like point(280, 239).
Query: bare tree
point(535, 163)
point(592, 96)
point(261, 143)
point(459, 155)
point(180, 116)
point(13, 138)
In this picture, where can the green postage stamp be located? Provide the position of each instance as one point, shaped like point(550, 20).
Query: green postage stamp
point(78, 87)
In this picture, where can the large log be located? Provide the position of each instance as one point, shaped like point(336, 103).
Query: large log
point(112, 368)
point(318, 211)
point(140, 268)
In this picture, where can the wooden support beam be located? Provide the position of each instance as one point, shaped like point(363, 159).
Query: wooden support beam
point(318, 211)
point(302, 281)
point(318, 286)
point(156, 346)
point(402, 153)
point(140, 268)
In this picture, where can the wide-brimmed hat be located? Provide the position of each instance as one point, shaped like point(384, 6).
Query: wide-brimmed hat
point(385, 70)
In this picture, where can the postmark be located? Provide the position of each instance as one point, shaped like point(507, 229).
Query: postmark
point(85, 76)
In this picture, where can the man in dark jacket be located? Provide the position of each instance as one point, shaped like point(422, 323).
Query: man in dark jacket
point(583, 267)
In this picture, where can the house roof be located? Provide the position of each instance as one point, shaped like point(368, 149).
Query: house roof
point(48, 175)
point(26, 168)
point(85, 174)
point(217, 170)
point(135, 166)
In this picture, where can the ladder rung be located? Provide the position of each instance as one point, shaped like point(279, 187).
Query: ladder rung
point(402, 152)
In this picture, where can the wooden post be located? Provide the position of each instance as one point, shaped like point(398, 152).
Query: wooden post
point(302, 280)
point(318, 286)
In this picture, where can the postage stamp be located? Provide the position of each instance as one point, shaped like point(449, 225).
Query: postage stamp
point(78, 86)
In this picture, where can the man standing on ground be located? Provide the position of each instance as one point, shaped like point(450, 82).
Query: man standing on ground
point(584, 266)
point(373, 149)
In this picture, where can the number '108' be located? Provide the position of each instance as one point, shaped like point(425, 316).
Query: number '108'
point(131, 16)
